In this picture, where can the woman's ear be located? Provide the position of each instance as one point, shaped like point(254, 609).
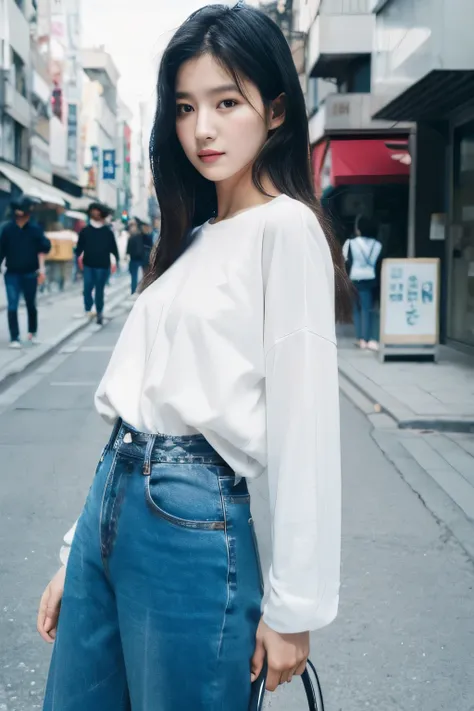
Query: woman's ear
point(277, 112)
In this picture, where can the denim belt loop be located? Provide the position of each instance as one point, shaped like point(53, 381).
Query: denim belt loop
point(148, 452)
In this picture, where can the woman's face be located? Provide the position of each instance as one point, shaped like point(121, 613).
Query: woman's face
point(221, 132)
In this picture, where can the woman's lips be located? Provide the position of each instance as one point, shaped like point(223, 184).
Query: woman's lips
point(210, 157)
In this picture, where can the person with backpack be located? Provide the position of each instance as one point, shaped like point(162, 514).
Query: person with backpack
point(138, 249)
point(363, 259)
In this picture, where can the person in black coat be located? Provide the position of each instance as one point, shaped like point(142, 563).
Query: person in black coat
point(138, 249)
point(96, 242)
point(22, 242)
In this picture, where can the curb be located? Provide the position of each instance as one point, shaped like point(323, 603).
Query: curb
point(42, 352)
point(403, 417)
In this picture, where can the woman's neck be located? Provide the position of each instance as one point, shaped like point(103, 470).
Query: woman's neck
point(239, 193)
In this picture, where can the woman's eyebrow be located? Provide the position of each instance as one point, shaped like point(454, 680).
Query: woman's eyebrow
point(215, 90)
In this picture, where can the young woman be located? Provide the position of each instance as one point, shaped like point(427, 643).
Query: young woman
point(226, 367)
point(363, 258)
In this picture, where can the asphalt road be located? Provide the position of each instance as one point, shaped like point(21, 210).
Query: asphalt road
point(404, 638)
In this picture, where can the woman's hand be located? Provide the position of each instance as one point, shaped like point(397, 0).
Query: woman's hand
point(50, 605)
point(286, 655)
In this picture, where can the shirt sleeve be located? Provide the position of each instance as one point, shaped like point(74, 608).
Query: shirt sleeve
point(66, 547)
point(3, 244)
point(43, 243)
point(113, 246)
point(80, 243)
point(303, 437)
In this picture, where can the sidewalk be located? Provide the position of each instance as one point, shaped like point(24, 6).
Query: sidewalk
point(417, 395)
point(423, 420)
point(57, 322)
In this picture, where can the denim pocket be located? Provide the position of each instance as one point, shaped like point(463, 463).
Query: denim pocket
point(185, 495)
point(234, 493)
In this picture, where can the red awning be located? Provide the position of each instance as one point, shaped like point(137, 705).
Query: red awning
point(362, 161)
point(368, 161)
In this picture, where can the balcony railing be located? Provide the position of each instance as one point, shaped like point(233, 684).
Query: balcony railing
point(345, 7)
point(347, 113)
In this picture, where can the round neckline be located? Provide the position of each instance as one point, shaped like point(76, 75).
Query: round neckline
point(225, 221)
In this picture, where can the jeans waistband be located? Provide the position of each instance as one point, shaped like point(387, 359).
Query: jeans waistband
point(172, 449)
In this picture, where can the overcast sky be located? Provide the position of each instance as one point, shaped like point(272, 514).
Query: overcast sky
point(135, 32)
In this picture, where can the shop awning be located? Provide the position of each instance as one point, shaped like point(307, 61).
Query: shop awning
point(365, 162)
point(76, 214)
point(31, 186)
point(433, 98)
point(81, 204)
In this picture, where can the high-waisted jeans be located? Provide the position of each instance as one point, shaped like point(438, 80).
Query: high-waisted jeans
point(163, 586)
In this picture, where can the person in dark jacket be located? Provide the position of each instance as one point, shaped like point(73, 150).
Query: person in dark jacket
point(21, 245)
point(138, 249)
point(96, 242)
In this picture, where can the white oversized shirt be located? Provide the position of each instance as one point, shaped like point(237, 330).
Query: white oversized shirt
point(236, 341)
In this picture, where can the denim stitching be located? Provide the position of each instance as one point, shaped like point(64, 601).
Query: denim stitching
point(219, 646)
point(102, 506)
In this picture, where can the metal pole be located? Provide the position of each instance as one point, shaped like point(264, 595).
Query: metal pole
point(413, 149)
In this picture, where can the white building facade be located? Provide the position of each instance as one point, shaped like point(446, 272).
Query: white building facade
point(99, 114)
point(423, 71)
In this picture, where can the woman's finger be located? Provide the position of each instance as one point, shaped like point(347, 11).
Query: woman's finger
point(52, 612)
point(41, 623)
point(273, 679)
point(288, 675)
point(300, 668)
point(258, 660)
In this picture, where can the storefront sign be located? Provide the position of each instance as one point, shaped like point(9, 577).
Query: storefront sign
point(72, 139)
point(409, 306)
point(40, 162)
point(108, 164)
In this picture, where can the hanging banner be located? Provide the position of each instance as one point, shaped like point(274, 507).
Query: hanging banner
point(409, 306)
point(72, 139)
point(108, 164)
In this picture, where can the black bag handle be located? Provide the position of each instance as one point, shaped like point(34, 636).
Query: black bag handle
point(314, 694)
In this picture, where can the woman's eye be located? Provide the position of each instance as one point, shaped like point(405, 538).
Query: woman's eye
point(183, 109)
point(228, 103)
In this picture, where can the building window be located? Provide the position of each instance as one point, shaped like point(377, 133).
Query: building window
point(312, 97)
point(18, 70)
point(57, 103)
point(357, 79)
point(21, 145)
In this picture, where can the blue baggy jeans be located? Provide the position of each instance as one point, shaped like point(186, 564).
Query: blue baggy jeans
point(363, 309)
point(95, 281)
point(16, 285)
point(163, 587)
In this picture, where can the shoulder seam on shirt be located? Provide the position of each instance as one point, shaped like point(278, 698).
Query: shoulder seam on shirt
point(298, 330)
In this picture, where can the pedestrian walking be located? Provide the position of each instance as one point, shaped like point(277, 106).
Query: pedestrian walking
point(96, 242)
point(138, 249)
point(23, 245)
point(226, 367)
point(363, 259)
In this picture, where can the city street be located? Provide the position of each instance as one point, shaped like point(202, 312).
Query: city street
point(404, 638)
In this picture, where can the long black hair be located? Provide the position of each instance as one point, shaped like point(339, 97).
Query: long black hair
point(249, 45)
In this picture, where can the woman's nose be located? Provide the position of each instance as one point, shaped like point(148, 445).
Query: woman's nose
point(205, 128)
